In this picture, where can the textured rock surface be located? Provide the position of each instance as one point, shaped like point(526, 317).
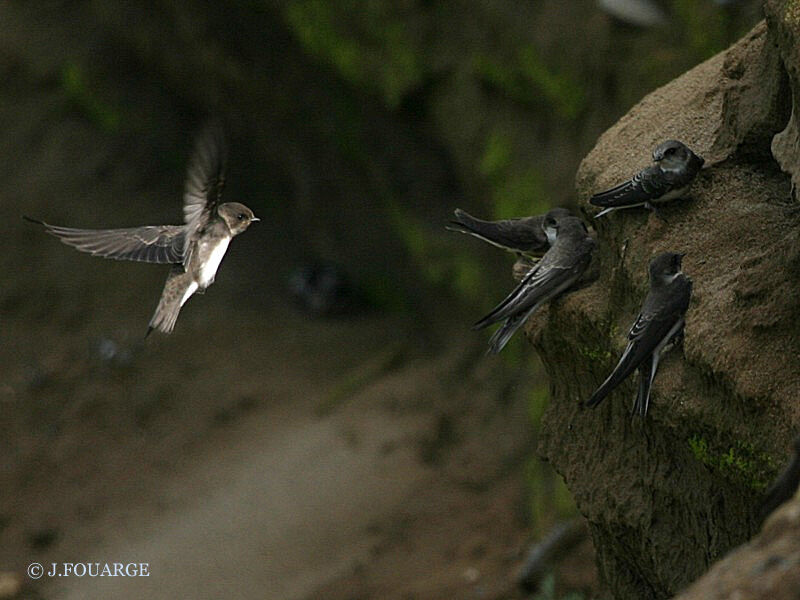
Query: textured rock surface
point(667, 496)
point(766, 568)
point(784, 21)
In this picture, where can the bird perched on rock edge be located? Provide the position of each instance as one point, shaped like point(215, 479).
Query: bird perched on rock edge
point(668, 179)
point(523, 235)
point(561, 267)
point(659, 324)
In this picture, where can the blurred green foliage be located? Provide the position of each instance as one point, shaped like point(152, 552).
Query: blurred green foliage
point(705, 28)
point(381, 291)
point(497, 155)
point(547, 591)
point(528, 80)
point(520, 194)
point(549, 499)
point(75, 83)
point(436, 259)
point(537, 404)
point(515, 192)
point(366, 42)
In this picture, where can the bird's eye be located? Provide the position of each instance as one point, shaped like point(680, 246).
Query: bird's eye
point(669, 151)
point(240, 216)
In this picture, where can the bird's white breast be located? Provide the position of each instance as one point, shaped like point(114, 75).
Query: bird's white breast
point(188, 293)
point(672, 195)
point(209, 268)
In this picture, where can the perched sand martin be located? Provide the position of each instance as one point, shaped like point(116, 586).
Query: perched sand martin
point(668, 179)
point(195, 249)
point(658, 326)
point(522, 236)
point(560, 268)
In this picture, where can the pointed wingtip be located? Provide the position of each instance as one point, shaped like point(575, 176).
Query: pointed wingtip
point(593, 402)
point(32, 220)
point(478, 325)
point(496, 346)
point(149, 331)
point(459, 221)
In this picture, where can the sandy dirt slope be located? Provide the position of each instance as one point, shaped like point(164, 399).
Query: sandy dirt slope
point(249, 478)
point(278, 504)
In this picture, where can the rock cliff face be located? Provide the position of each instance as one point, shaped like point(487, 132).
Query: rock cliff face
point(767, 568)
point(667, 496)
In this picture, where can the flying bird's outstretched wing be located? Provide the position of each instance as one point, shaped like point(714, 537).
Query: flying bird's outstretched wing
point(205, 178)
point(153, 243)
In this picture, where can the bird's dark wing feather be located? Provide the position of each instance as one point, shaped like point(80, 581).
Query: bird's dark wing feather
point(642, 400)
point(644, 186)
point(153, 244)
point(205, 179)
point(505, 332)
point(648, 333)
point(523, 235)
point(537, 286)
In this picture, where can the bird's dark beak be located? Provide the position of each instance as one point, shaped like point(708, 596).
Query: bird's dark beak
point(682, 254)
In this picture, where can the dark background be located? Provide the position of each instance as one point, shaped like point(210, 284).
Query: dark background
point(260, 451)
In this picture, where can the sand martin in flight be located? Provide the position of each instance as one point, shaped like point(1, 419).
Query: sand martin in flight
point(522, 236)
point(195, 249)
point(658, 326)
point(669, 178)
point(561, 267)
